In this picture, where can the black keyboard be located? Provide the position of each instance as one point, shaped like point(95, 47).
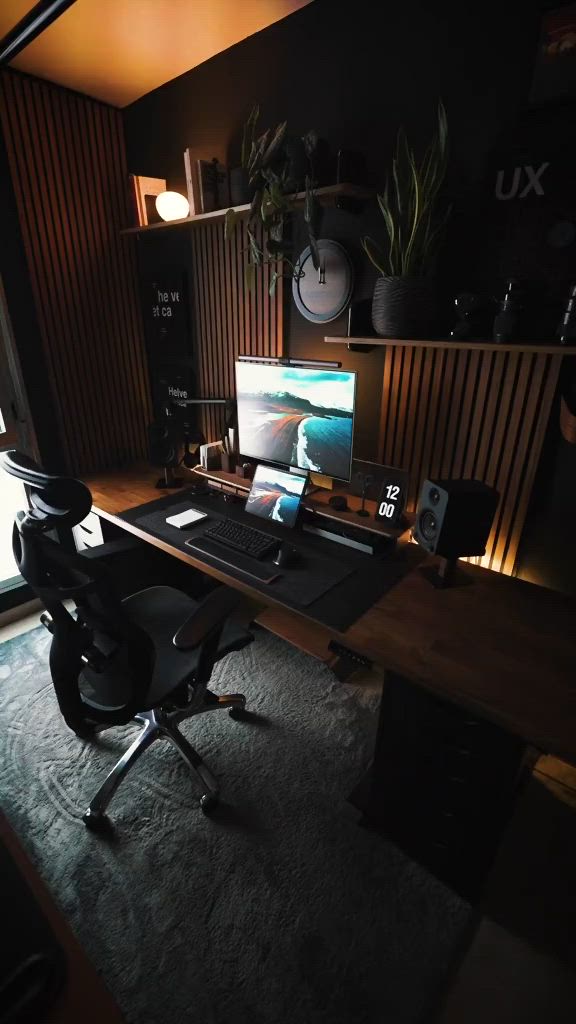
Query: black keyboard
point(242, 538)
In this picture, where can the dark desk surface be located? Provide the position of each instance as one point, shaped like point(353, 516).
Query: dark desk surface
point(332, 584)
point(503, 648)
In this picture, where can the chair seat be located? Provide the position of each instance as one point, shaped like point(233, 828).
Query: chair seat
point(159, 611)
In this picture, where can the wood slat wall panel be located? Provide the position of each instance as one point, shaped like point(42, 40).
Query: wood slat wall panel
point(533, 447)
point(229, 320)
point(482, 414)
point(68, 167)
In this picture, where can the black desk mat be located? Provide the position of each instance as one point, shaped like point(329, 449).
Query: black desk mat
point(301, 585)
point(333, 584)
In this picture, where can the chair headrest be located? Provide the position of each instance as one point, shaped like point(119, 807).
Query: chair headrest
point(54, 500)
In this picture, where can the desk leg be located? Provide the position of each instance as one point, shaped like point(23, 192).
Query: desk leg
point(443, 784)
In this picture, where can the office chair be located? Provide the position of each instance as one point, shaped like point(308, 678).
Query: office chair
point(148, 657)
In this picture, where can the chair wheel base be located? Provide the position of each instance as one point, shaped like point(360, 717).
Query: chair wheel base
point(208, 802)
point(97, 822)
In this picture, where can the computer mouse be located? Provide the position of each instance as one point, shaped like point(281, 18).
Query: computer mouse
point(286, 557)
point(338, 501)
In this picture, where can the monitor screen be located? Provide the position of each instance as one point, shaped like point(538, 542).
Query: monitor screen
point(276, 495)
point(297, 416)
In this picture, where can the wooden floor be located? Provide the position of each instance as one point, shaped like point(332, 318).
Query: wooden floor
point(532, 887)
point(84, 996)
point(520, 965)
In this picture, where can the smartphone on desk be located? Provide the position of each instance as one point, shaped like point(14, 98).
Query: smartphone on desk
point(188, 518)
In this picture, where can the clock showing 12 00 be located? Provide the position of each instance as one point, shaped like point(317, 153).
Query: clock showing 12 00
point(393, 493)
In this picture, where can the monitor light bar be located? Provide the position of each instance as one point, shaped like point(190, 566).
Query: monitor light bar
point(276, 361)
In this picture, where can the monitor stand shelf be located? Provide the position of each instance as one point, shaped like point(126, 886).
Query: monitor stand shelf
point(318, 503)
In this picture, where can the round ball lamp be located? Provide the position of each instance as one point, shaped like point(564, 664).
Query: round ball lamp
point(172, 206)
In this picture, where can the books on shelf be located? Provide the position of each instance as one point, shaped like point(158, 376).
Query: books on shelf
point(192, 184)
point(207, 184)
point(222, 185)
point(143, 192)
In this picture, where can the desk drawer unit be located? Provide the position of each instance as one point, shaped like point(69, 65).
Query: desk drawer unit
point(443, 784)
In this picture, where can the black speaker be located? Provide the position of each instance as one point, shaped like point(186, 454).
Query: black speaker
point(454, 517)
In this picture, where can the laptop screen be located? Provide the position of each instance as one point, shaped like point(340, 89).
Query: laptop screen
point(276, 495)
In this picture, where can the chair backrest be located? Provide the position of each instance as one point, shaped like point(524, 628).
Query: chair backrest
point(100, 629)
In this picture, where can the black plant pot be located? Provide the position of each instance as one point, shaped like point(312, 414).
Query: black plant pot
point(403, 307)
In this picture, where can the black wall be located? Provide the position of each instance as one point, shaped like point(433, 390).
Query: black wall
point(355, 72)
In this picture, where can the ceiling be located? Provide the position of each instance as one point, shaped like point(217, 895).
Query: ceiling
point(118, 50)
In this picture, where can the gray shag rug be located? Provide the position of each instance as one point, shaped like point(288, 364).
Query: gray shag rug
point(279, 909)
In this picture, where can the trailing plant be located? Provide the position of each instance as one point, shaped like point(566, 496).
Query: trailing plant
point(410, 209)
point(268, 165)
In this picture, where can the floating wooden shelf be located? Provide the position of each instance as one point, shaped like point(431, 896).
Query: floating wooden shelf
point(540, 348)
point(327, 195)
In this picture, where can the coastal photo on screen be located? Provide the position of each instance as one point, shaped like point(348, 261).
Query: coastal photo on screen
point(298, 416)
point(275, 495)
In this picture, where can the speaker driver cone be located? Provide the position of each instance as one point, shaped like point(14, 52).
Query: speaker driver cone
point(428, 524)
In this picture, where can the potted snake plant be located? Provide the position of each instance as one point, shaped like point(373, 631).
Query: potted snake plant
point(403, 305)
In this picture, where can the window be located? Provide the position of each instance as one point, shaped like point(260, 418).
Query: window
point(8, 425)
point(12, 499)
point(14, 424)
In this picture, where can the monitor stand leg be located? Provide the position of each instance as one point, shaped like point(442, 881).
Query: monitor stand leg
point(168, 480)
point(445, 574)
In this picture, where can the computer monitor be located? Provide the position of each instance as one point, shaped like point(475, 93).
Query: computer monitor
point(297, 416)
point(276, 495)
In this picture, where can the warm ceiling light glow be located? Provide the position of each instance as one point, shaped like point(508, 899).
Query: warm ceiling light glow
point(139, 44)
point(172, 206)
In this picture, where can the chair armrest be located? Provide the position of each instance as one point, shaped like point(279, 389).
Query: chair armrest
point(212, 613)
point(111, 548)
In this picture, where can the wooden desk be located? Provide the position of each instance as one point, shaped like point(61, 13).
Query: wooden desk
point(501, 648)
point(475, 677)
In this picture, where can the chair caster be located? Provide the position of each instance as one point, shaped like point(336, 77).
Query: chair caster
point(97, 822)
point(86, 730)
point(237, 713)
point(208, 802)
